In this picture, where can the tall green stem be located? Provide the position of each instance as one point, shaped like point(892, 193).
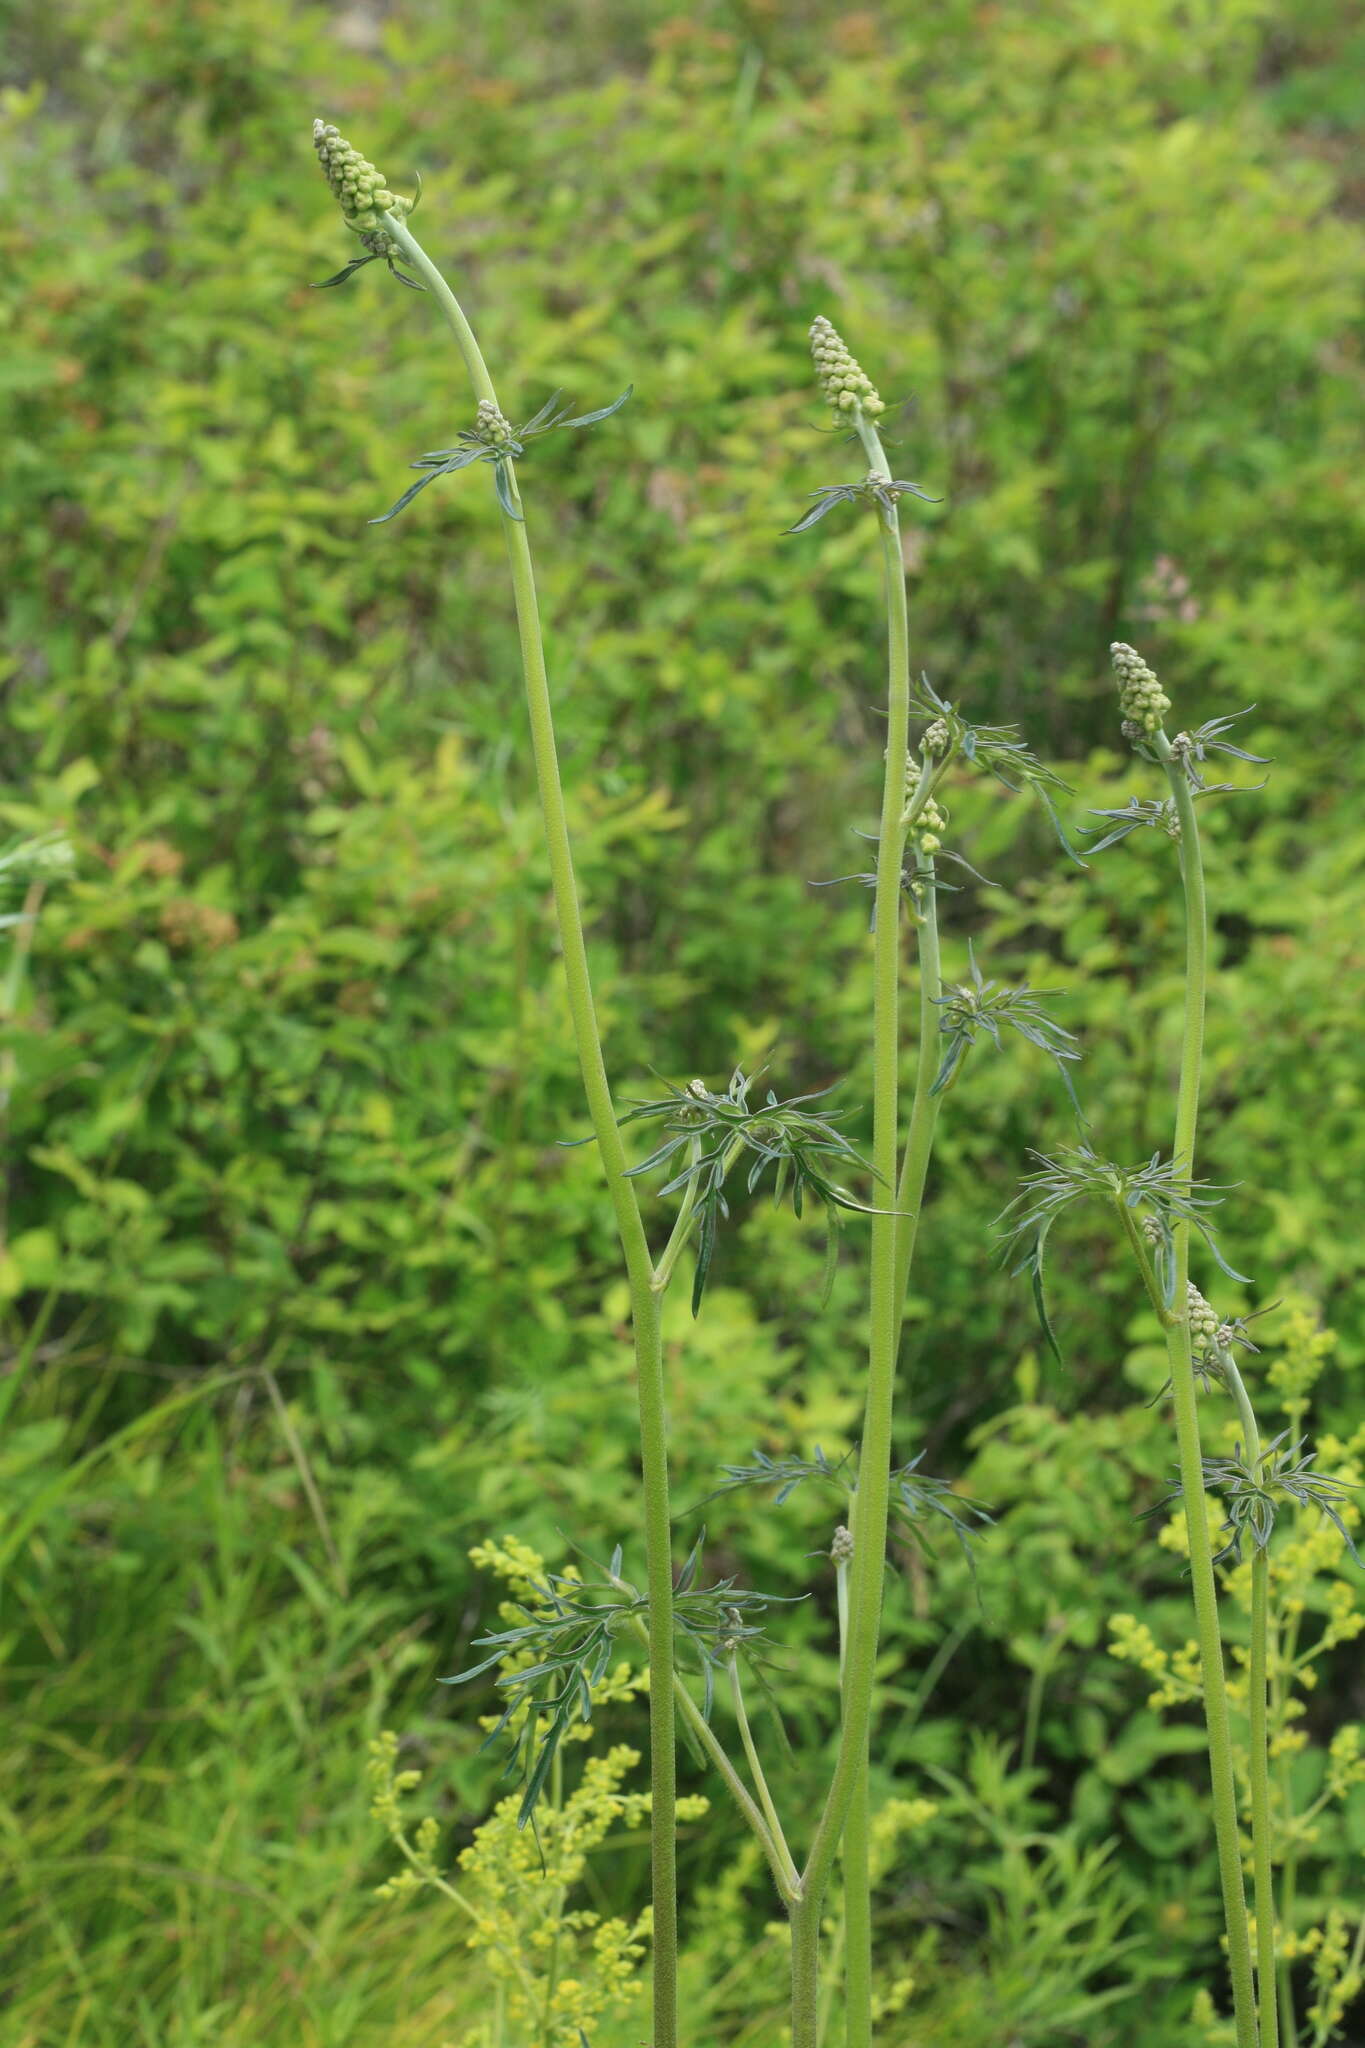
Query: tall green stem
point(924, 1113)
point(644, 1302)
point(855, 1850)
point(1286, 1652)
point(874, 1463)
point(1258, 1684)
point(1187, 1418)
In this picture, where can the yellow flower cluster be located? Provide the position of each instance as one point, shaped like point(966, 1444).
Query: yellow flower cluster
point(1285, 1740)
point(558, 1968)
point(892, 1824)
point(1177, 1672)
point(516, 1563)
point(1304, 1350)
point(1212, 2031)
point(893, 1999)
point(518, 1886)
point(1175, 1537)
point(1345, 1761)
point(560, 1971)
point(1337, 1975)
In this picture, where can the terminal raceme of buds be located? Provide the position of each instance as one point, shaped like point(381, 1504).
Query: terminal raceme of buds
point(926, 834)
point(1142, 700)
point(1204, 1323)
point(937, 738)
point(358, 188)
point(845, 383)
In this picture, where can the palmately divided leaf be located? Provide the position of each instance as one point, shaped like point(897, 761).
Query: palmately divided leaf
point(712, 1131)
point(969, 1009)
point(1253, 1490)
point(1080, 1173)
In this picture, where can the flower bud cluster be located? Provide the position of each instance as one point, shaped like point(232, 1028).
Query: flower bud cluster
point(845, 383)
point(1204, 1323)
point(1142, 700)
point(936, 738)
point(1209, 1339)
point(491, 427)
point(358, 188)
point(841, 1549)
point(926, 834)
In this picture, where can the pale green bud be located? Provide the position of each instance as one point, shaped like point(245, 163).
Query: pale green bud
point(926, 834)
point(843, 380)
point(359, 189)
point(1142, 700)
point(1204, 1323)
point(491, 426)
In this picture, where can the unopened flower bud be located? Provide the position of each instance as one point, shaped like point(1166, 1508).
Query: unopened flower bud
point(1204, 1323)
point(359, 189)
point(937, 738)
point(491, 426)
point(1142, 700)
point(841, 1549)
point(843, 380)
point(926, 833)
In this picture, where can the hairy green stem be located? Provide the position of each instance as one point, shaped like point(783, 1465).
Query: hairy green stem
point(1258, 1686)
point(547, 2023)
point(805, 1926)
point(783, 1869)
point(682, 1225)
point(635, 1247)
point(784, 1872)
point(874, 1467)
point(760, 1782)
point(1286, 1652)
point(855, 1851)
point(687, 1214)
point(1257, 1677)
point(924, 1113)
point(1165, 1316)
point(1185, 1400)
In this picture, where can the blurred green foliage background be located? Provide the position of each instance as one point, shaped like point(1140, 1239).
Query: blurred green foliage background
point(301, 1295)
